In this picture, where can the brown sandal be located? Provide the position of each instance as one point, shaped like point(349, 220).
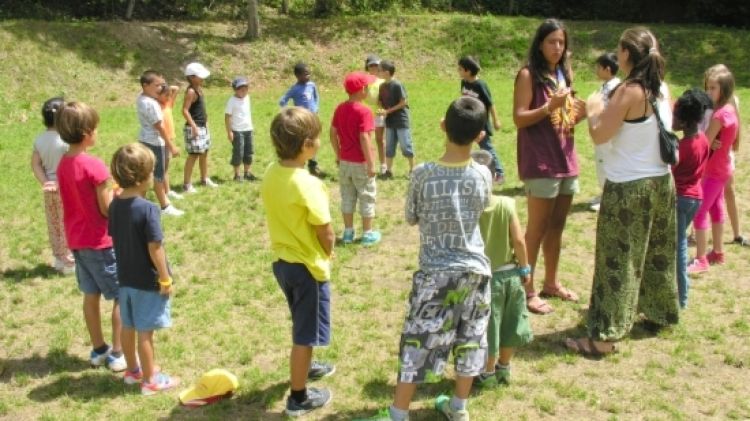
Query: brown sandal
point(587, 347)
point(542, 307)
point(561, 293)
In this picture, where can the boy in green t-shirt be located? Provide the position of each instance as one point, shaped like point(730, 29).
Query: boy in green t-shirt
point(302, 238)
point(505, 246)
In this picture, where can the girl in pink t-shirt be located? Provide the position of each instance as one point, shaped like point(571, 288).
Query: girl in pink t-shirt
point(721, 133)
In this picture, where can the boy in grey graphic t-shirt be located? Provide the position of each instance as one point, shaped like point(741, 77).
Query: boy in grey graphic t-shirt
point(449, 304)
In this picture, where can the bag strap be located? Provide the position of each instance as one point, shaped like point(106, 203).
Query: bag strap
point(655, 108)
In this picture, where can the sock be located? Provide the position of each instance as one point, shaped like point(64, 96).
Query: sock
point(499, 366)
point(117, 354)
point(102, 349)
point(299, 396)
point(348, 230)
point(458, 404)
point(397, 414)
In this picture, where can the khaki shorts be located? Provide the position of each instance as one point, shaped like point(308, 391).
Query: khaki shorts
point(550, 188)
point(356, 186)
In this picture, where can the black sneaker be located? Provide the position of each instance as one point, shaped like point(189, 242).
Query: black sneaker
point(317, 172)
point(316, 398)
point(319, 369)
point(387, 175)
point(250, 177)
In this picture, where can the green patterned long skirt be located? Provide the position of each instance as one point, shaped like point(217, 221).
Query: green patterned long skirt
point(635, 258)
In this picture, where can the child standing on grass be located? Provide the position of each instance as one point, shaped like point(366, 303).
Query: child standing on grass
point(304, 94)
point(449, 304)
point(394, 107)
point(721, 134)
point(84, 185)
point(299, 224)
point(197, 136)
point(505, 246)
point(239, 125)
point(167, 98)
point(153, 135)
point(606, 71)
point(48, 149)
point(145, 282)
point(351, 138)
point(471, 85)
point(688, 172)
point(372, 66)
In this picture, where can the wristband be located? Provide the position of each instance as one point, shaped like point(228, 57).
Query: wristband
point(524, 271)
point(165, 282)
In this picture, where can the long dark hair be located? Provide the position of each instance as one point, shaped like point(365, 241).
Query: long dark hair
point(537, 64)
point(643, 54)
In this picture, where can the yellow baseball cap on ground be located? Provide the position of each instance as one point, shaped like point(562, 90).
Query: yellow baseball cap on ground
point(213, 386)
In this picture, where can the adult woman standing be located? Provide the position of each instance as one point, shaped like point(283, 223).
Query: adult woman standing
point(635, 234)
point(544, 112)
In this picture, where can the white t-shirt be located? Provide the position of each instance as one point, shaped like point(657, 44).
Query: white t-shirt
point(239, 109)
point(149, 113)
point(50, 148)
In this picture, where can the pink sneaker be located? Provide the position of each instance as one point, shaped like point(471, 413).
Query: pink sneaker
point(131, 377)
point(160, 383)
point(715, 258)
point(698, 265)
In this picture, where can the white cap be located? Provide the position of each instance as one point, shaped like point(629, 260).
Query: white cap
point(197, 69)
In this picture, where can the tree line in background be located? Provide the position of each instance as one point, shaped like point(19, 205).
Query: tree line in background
point(718, 12)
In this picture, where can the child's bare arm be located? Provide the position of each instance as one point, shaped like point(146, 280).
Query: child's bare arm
point(38, 169)
point(326, 237)
point(190, 97)
point(228, 125)
point(173, 149)
point(173, 90)
point(104, 196)
point(401, 104)
point(495, 120)
point(159, 259)
point(335, 143)
point(519, 245)
point(366, 145)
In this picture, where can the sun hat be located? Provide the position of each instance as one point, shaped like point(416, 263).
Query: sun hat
point(197, 69)
point(357, 81)
point(213, 386)
point(239, 82)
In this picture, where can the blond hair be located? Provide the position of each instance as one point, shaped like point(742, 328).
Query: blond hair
point(291, 128)
point(132, 164)
point(76, 120)
point(720, 74)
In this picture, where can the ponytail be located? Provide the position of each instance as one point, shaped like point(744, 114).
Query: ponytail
point(648, 63)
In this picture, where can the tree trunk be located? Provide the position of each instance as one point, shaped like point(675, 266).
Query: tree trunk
point(285, 7)
point(511, 7)
point(129, 10)
point(253, 20)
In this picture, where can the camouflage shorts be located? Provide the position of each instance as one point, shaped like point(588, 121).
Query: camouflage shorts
point(447, 311)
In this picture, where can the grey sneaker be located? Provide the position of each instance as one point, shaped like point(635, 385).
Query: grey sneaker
point(443, 405)
point(316, 398)
point(320, 369)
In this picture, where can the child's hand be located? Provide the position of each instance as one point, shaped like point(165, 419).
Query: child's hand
point(557, 99)
point(49, 186)
point(496, 124)
point(193, 132)
point(371, 171)
point(381, 112)
point(168, 290)
point(230, 136)
point(526, 280)
point(580, 109)
point(173, 149)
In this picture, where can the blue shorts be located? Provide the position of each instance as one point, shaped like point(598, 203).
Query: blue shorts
point(162, 158)
point(143, 310)
point(400, 136)
point(96, 272)
point(242, 148)
point(309, 302)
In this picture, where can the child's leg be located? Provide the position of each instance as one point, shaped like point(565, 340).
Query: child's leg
point(717, 222)
point(55, 229)
point(203, 164)
point(712, 189)
point(701, 243)
point(129, 347)
point(166, 172)
point(348, 189)
point(404, 394)
point(732, 211)
point(146, 354)
point(116, 326)
point(237, 170)
point(463, 387)
point(160, 189)
point(505, 355)
point(93, 319)
point(188, 171)
point(299, 365)
point(379, 133)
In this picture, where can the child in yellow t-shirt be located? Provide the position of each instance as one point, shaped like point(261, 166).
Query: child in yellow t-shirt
point(372, 66)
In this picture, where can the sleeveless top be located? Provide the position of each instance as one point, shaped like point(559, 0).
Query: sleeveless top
point(198, 110)
point(546, 149)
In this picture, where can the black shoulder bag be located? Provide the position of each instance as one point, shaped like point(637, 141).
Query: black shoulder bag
point(667, 140)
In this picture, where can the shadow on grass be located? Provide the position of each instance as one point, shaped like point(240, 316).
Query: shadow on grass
point(90, 386)
point(56, 361)
point(38, 271)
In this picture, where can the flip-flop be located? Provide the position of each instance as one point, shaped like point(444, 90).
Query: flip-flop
point(587, 347)
point(542, 309)
point(561, 293)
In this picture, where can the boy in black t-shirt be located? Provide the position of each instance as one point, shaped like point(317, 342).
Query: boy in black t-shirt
point(471, 85)
point(145, 282)
point(394, 106)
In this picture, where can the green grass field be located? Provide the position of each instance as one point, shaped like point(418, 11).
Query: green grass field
point(228, 311)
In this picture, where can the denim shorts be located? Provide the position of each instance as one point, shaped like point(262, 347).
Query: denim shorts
point(96, 272)
point(242, 148)
point(309, 301)
point(550, 188)
point(162, 158)
point(143, 310)
point(402, 137)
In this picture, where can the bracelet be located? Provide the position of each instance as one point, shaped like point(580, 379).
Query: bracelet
point(165, 282)
point(524, 271)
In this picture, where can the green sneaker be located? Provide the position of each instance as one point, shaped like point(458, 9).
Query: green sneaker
point(383, 415)
point(370, 238)
point(485, 381)
point(502, 374)
point(443, 405)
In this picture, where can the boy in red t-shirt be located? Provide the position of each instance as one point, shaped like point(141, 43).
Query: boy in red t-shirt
point(351, 134)
point(84, 185)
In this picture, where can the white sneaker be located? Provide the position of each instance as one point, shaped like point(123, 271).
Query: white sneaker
point(174, 195)
point(172, 211)
point(189, 189)
point(64, 268)
point(209, 183)
point(116, 364)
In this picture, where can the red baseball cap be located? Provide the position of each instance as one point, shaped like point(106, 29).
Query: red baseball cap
point(357, 81)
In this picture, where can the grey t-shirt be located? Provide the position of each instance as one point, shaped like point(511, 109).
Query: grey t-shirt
point(50, 148)
point(446, 200)
point(149, 113)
